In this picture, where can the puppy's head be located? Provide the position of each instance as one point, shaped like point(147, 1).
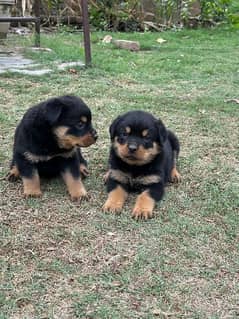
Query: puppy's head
point(70, 120)
point(137, 137)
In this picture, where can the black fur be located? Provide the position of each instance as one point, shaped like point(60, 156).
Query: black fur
point(160, 165)
point(35, 135)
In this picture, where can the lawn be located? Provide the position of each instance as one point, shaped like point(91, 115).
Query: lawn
point(61, 259)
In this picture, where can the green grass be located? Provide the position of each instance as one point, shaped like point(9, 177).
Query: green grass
point(70, 260)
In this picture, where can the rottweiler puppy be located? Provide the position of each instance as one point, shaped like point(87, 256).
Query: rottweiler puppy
point(142, 158)
point(47, 143)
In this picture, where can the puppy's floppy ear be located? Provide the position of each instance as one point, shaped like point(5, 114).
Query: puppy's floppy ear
point(53, 110)
point(113, 126)
point(162, 131)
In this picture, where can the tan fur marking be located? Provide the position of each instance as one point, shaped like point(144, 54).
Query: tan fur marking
point(86, 140)
point(127, 129)
point(75, 187)
point(144, 206)
point(119, 176)
point(175, 175)
point(145, 132)
point(13, 174)
point(126, 178)
point(43, 158)
point(31, 186)
point(147, 180)
point(68, 141)
point(60, 131)
point(115, 200)
point(141, 156)
point(83, 119)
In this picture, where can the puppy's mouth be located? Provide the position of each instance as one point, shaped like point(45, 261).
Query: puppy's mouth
point(133, 160)
point(139, 156)
point(131, 157)
point(86, 141)
point(68, 141)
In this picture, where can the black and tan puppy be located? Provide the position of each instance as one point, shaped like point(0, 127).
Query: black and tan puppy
point(47, 143)
point(142, 158)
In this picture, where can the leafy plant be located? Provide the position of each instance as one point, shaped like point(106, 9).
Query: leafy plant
point(215, 10)
point(233, 14)
point(116, 15)
point(129, 15)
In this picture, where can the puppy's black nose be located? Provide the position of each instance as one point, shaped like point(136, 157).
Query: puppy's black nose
point(132, 147)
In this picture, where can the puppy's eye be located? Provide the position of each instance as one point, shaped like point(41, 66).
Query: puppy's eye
point(80, 125)
point(125, 132)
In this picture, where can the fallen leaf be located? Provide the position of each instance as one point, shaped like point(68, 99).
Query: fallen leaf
point(160, 40)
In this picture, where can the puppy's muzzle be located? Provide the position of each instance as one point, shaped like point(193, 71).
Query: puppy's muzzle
point(132, 147)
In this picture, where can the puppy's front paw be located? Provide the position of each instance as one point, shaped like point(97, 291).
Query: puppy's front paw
point(32, 193)
point(115, 200)
point(144, 206)
point(142, 213)
point(31, 186)
point(78, 193)
point(75, 187)
point(114, 207)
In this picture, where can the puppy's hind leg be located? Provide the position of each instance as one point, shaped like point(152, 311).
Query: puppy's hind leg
point(30, 177)
point(13, 175)
point(175, 176)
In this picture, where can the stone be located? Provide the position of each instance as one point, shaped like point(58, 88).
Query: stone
point(107, 39)
point(128, 45)
point(65, 65)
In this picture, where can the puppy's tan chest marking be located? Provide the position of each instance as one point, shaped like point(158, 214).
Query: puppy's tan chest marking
point(33, 158)
point(127, 178)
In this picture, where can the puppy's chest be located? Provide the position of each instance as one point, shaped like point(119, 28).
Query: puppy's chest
point(35, 158)
point(134, 181)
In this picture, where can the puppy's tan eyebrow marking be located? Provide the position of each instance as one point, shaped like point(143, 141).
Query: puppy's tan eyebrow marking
point(127, 129)
point(83, 119)
point(145, 132)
